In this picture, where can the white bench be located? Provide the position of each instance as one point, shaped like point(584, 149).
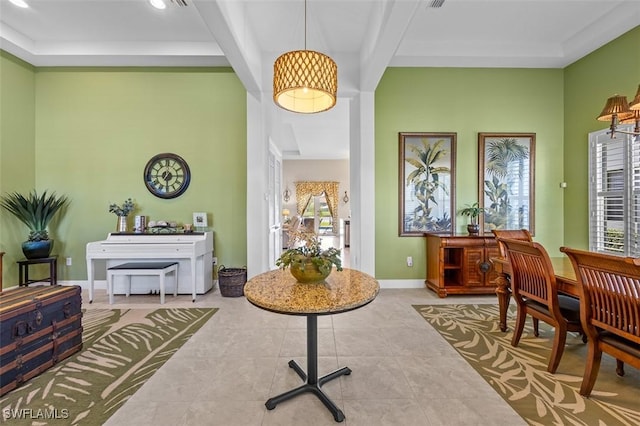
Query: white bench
point(160, 269)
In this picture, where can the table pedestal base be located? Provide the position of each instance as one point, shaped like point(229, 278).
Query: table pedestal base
point(313, 388)
point(313, 383)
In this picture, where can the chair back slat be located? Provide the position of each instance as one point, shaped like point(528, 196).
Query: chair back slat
point(532, 272)
point(512, 234)
point(610, 288)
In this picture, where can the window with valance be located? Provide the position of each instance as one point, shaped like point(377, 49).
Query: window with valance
point(306, 190)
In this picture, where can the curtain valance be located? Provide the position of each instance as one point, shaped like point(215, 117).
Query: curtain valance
point(305, 190)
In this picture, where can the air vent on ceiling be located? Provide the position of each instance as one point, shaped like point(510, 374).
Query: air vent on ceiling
point(435, 3)
point(184, 2)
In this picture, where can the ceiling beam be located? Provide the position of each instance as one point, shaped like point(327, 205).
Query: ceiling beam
point(227, 23)
point(387, 26)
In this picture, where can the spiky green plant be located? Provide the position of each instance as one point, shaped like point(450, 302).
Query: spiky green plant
point(35, 211)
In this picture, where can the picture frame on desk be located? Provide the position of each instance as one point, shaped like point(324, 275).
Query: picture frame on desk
point(200, 220)
point(506, 180)
point(426, 183)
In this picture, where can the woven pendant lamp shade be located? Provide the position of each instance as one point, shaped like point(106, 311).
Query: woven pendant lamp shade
point(305, 81)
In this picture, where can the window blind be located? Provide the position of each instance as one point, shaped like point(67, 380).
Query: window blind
point(614, 194)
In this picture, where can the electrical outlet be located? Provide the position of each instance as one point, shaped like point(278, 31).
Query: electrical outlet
point(69, 262)
point(409, 261)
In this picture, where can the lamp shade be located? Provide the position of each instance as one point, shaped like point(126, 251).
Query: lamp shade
point(616, 105)
point(634, 117)
point(634, 105)
point(305, 81)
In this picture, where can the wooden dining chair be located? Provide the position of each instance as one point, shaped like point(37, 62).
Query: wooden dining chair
point(533, 286)
point(610, 310)
point(512, 234)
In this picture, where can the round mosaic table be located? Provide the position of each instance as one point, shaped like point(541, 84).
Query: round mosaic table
point(342, 291)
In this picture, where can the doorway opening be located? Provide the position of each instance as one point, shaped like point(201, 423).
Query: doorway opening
point(317, 216)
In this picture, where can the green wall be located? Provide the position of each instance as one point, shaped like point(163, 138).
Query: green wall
point(612, 69)
point(95, 129)
point(560, 106)
point(88, 133)
point(466, 101)
point(17, 151)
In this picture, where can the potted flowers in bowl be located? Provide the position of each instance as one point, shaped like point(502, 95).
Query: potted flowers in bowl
point(122, 212)
point(35, 211)
point(306, 260)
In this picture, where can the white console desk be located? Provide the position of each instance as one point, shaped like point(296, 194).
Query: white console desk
point(193, 251)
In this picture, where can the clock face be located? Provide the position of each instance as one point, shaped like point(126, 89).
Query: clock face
point(167, 175)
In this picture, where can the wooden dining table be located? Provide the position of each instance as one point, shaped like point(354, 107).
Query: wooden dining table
point(565, 280)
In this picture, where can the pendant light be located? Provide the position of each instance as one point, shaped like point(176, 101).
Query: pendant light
point(305, 81)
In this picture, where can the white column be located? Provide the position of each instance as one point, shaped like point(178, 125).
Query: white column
point(362, 175)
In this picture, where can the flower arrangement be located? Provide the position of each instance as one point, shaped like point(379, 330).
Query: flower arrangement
point(305, 250)
point(124, 210)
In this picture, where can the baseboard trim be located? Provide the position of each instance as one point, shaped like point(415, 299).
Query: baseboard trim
point(102, 284)
point(401, 283)
point(97, 284)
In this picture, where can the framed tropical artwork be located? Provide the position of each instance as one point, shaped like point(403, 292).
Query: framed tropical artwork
point(506, 180)
point(426, 183)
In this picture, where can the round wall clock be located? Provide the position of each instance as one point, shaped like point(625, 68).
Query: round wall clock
point(167, 175)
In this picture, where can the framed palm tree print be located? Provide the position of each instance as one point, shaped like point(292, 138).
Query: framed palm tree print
point(506, 180)
point(426, 183)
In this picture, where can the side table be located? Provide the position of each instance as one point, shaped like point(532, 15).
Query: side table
point(23, 267)
point(278, 291)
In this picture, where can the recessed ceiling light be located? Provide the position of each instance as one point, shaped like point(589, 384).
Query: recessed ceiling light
point(20, 3)
point(158, 4)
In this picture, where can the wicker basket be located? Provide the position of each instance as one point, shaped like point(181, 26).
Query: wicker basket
point(232, 281)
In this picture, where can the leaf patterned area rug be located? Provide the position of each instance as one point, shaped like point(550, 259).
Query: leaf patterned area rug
point(122, 348)
point(519, 374)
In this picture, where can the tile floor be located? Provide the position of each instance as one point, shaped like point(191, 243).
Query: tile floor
point(404, 373)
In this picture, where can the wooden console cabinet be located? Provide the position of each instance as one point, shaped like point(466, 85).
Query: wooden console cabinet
point(460, 263)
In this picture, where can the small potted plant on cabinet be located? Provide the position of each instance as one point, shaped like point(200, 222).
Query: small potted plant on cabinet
point(473, 211)
point(35, 211)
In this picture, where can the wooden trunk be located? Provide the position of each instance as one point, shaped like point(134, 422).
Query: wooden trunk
point(39, 326)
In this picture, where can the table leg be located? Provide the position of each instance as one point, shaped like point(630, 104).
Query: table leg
point(193, 279)
point(21, 275)
point(312, 382)
point(504, 294)
point(53, 272)
point(90, 278)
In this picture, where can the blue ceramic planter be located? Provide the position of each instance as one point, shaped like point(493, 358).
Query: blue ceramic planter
point(37, 249)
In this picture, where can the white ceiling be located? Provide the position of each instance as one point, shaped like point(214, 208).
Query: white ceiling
point(362, 36)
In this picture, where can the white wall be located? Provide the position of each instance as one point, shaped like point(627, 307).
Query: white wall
point(317, 170)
